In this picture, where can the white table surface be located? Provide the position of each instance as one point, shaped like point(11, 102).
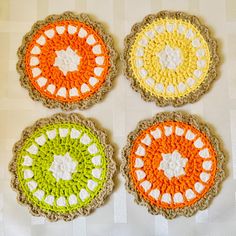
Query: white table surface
point(119, 113)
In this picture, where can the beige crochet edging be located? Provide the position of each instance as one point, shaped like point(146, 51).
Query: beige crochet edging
point(201, 204)
point(192, 96)
point(51, 103)
point(111, 167)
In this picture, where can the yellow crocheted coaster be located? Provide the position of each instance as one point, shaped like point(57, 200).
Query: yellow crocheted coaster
point(62, 167)
point(173, 164)
point(170, 58)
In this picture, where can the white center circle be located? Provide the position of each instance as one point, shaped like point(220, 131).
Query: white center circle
point(173, 164)
point(67, 60)
point(62, 167)
point(170, 58)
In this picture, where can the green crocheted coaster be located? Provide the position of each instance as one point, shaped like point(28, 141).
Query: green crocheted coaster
point(62, 167)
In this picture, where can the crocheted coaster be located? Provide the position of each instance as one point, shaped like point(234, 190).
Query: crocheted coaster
point(62, 167)
point(67, 61)
point(173, 164)
point(170, 58)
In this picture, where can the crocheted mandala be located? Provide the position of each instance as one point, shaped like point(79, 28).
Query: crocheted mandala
point(67, 61)
point(62, 167)
point(173, 164)
point(170, 58)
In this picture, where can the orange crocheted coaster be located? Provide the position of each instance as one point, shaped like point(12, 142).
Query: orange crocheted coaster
point(67, 61)
point(173, 164)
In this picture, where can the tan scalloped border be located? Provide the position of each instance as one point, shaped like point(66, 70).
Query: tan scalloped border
point(111, 167)
point(192, 96)
point(52, 103)
point(201, 204)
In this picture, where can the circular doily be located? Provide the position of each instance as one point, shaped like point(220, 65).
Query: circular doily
point(67, 61)
point(170, 58)
point(173, 164)
point(62, 167)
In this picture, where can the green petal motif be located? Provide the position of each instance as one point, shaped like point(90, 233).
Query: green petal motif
point(62, 167)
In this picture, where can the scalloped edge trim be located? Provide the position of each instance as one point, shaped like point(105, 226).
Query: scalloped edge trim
point(111, 167)
point(192, 96)
point(201, 204)
point(52, 103)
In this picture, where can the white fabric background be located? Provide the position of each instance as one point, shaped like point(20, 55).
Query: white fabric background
point(119, 113)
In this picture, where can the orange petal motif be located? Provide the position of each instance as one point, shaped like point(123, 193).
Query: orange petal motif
point(173, 163)
point(67, 61)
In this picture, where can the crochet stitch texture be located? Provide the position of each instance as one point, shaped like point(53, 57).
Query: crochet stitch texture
point(170, 58)
point(67, 61)
point(173, 164)
point(62, 167)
